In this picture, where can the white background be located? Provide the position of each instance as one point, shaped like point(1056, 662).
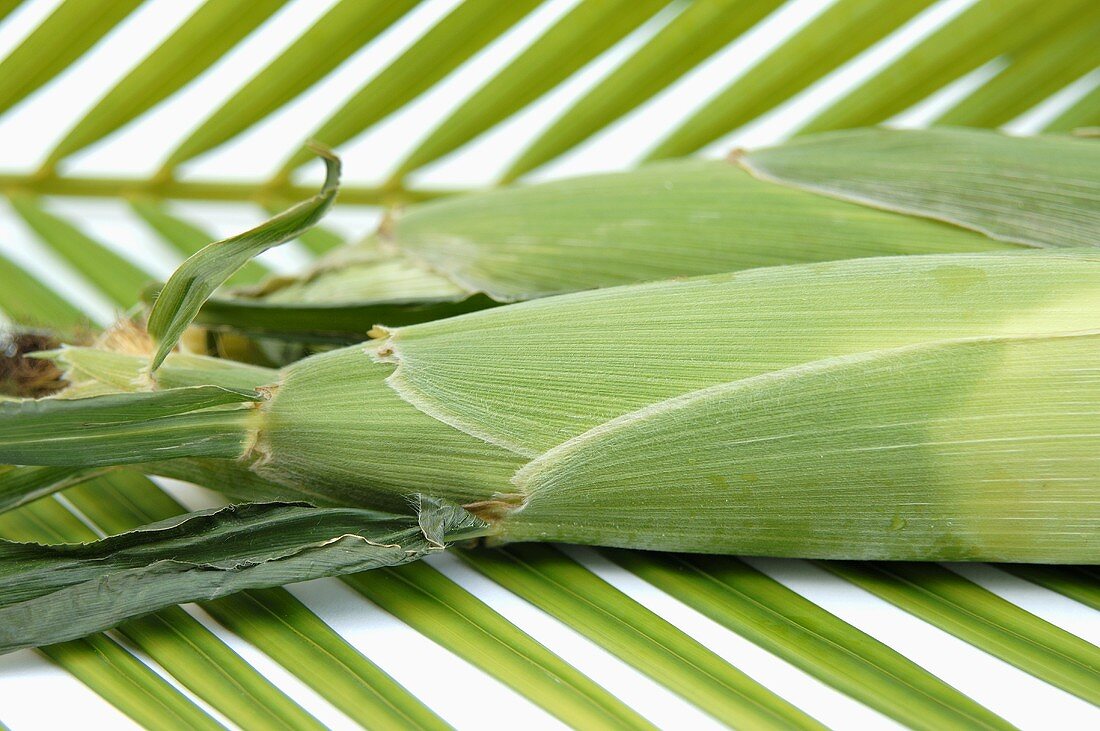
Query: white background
point(36, 695)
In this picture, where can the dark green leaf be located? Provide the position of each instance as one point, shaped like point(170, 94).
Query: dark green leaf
point(98, 661)
point(58, 592)
point(334, 323)
point(125, 428)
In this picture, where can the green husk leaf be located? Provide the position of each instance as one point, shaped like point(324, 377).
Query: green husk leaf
point(1039, 191)
point(126, 427)
point(127, 372)
point(984, 449)
point(60, 592)
point(493, 375)
point(188, 239)
point(985, 620)
point(437, 607)
point(785, 623)
point(664, 220)
point(197, 278)
point(549, 579)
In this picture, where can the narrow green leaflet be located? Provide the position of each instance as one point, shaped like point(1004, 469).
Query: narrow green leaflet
point(112, 274)
point(984, 435)
point(1051, 198)
point(701, 29)
point(271, 619)
point(62, 38)
point(197, 278)
point(59, 592)
point(1083, 114)
point(28, 302)
point(785, 623)
point(200, 41)
point(129, 684)
point(841, 31)
point(287, 631)
point(983, 619)
point(6, 6)
point(124, 428)
point(1035, 73)
point(1069, 581)
point(437, 607)
point(344, 29)
point(586, 31)
point(549, 579)
point(467, 29)
point(22, 485)
point(982, 32)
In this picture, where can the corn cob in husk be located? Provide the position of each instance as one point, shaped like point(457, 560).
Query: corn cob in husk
point(836, 196)
point(938, 407)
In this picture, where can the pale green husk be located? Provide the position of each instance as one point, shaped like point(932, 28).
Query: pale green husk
point(938, 407)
